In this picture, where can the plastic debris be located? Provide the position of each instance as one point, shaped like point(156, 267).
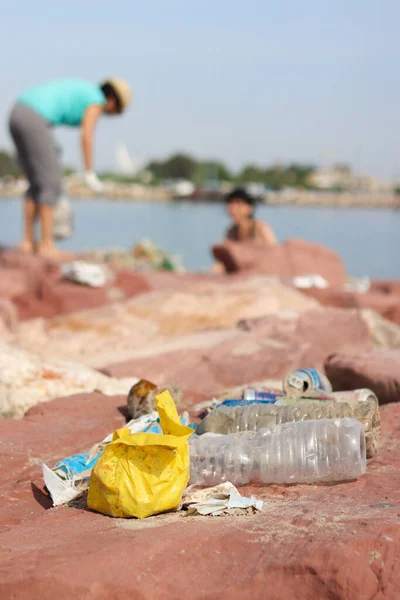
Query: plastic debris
point(218, 500)
point(300, 452)
point(144, 256)
point(310, 281)
point(142, 397)
point(63, 225)
point(71, 476)
point(86, 273)
point(143, 474)
point(301, 381)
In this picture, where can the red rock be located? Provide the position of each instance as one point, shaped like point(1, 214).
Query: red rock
point(294, 257)
point(378, 370)
point(68, 297)
point(8, 314)
point(338, 541)
point(48, 433)
point(167, 318)
point(265, 348)
point(13, 282)
point(386, 286)
point(131, 283)
point(29, 263)
point(387, 305)
point(30, 306)
point(54, 296)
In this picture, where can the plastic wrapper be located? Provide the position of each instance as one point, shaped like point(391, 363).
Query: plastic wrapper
point(146, 473)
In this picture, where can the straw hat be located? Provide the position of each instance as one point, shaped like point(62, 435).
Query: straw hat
point(122, 90)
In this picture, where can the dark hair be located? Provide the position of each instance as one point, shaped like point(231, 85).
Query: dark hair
point(240, 194)
point(110, 92)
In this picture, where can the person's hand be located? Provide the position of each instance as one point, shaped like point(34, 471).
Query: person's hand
point(94, 182)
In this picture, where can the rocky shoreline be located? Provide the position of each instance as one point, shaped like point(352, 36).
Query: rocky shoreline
point(147, 193)
point(68, 355)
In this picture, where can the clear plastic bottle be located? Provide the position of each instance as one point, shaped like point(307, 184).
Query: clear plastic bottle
point(253, 417)
point(300, 452)
point(358, 404)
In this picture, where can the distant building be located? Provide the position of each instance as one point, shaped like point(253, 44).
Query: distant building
point(344, 179)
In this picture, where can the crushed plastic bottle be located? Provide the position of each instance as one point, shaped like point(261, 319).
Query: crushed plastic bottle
point(359, 404)
point(302, 452)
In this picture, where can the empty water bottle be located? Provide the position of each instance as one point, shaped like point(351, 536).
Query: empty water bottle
point(302, 452)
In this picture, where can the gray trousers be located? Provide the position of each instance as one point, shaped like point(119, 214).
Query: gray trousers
point(37, 153)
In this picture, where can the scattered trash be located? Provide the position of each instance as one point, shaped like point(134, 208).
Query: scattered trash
point(148, 254)
point(301, 381)
point(236, 416)
point(300, 452)
point(142, 397)
point(194, 494)
point(304, 434)
point(358, 284)
point(207, 406)
point(218, 500)
point(63, 224)
point(252, 395)
point(146, 473)
point(86, 274)
point(70, 477)
point(144, 256)
point(310, 281)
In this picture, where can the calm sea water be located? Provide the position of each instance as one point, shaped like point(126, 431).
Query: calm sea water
point(367, 239)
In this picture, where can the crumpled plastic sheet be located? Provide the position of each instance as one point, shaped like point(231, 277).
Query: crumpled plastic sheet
point(218, 500)
point(86, 273)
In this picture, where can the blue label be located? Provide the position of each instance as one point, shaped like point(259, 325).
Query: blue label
point(314, 375)
point(270, 400)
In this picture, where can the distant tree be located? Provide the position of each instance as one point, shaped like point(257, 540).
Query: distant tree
point(9, 165)
point(178, 166)
point(293, 175)
point(274, 177)
point(209, 170)
point(251, 174)
point(299, 175)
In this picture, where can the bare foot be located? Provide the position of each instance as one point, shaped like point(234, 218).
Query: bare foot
point(51, 252)
point(27, 247)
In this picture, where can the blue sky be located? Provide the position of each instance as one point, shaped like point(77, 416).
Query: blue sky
point(244, 81)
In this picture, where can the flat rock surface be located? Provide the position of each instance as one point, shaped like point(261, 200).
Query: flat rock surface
point(378, 370)
point(124, 329)
point(327, 542)
point(255, 350)
point(291, 258)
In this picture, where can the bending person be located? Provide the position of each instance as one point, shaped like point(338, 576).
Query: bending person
point(64, 102)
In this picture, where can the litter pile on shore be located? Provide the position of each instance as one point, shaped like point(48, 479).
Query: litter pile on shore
point(118, 384)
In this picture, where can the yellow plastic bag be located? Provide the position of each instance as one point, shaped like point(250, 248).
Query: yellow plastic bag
point(143, 474)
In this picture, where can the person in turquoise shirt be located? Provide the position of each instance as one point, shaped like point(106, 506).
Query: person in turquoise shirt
point(64, 102)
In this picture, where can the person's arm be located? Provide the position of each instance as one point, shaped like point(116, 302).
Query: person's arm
point(217, 268)
point(89, 122)
point(266, 234)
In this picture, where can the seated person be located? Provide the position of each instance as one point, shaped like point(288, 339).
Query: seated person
point(245, 227)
